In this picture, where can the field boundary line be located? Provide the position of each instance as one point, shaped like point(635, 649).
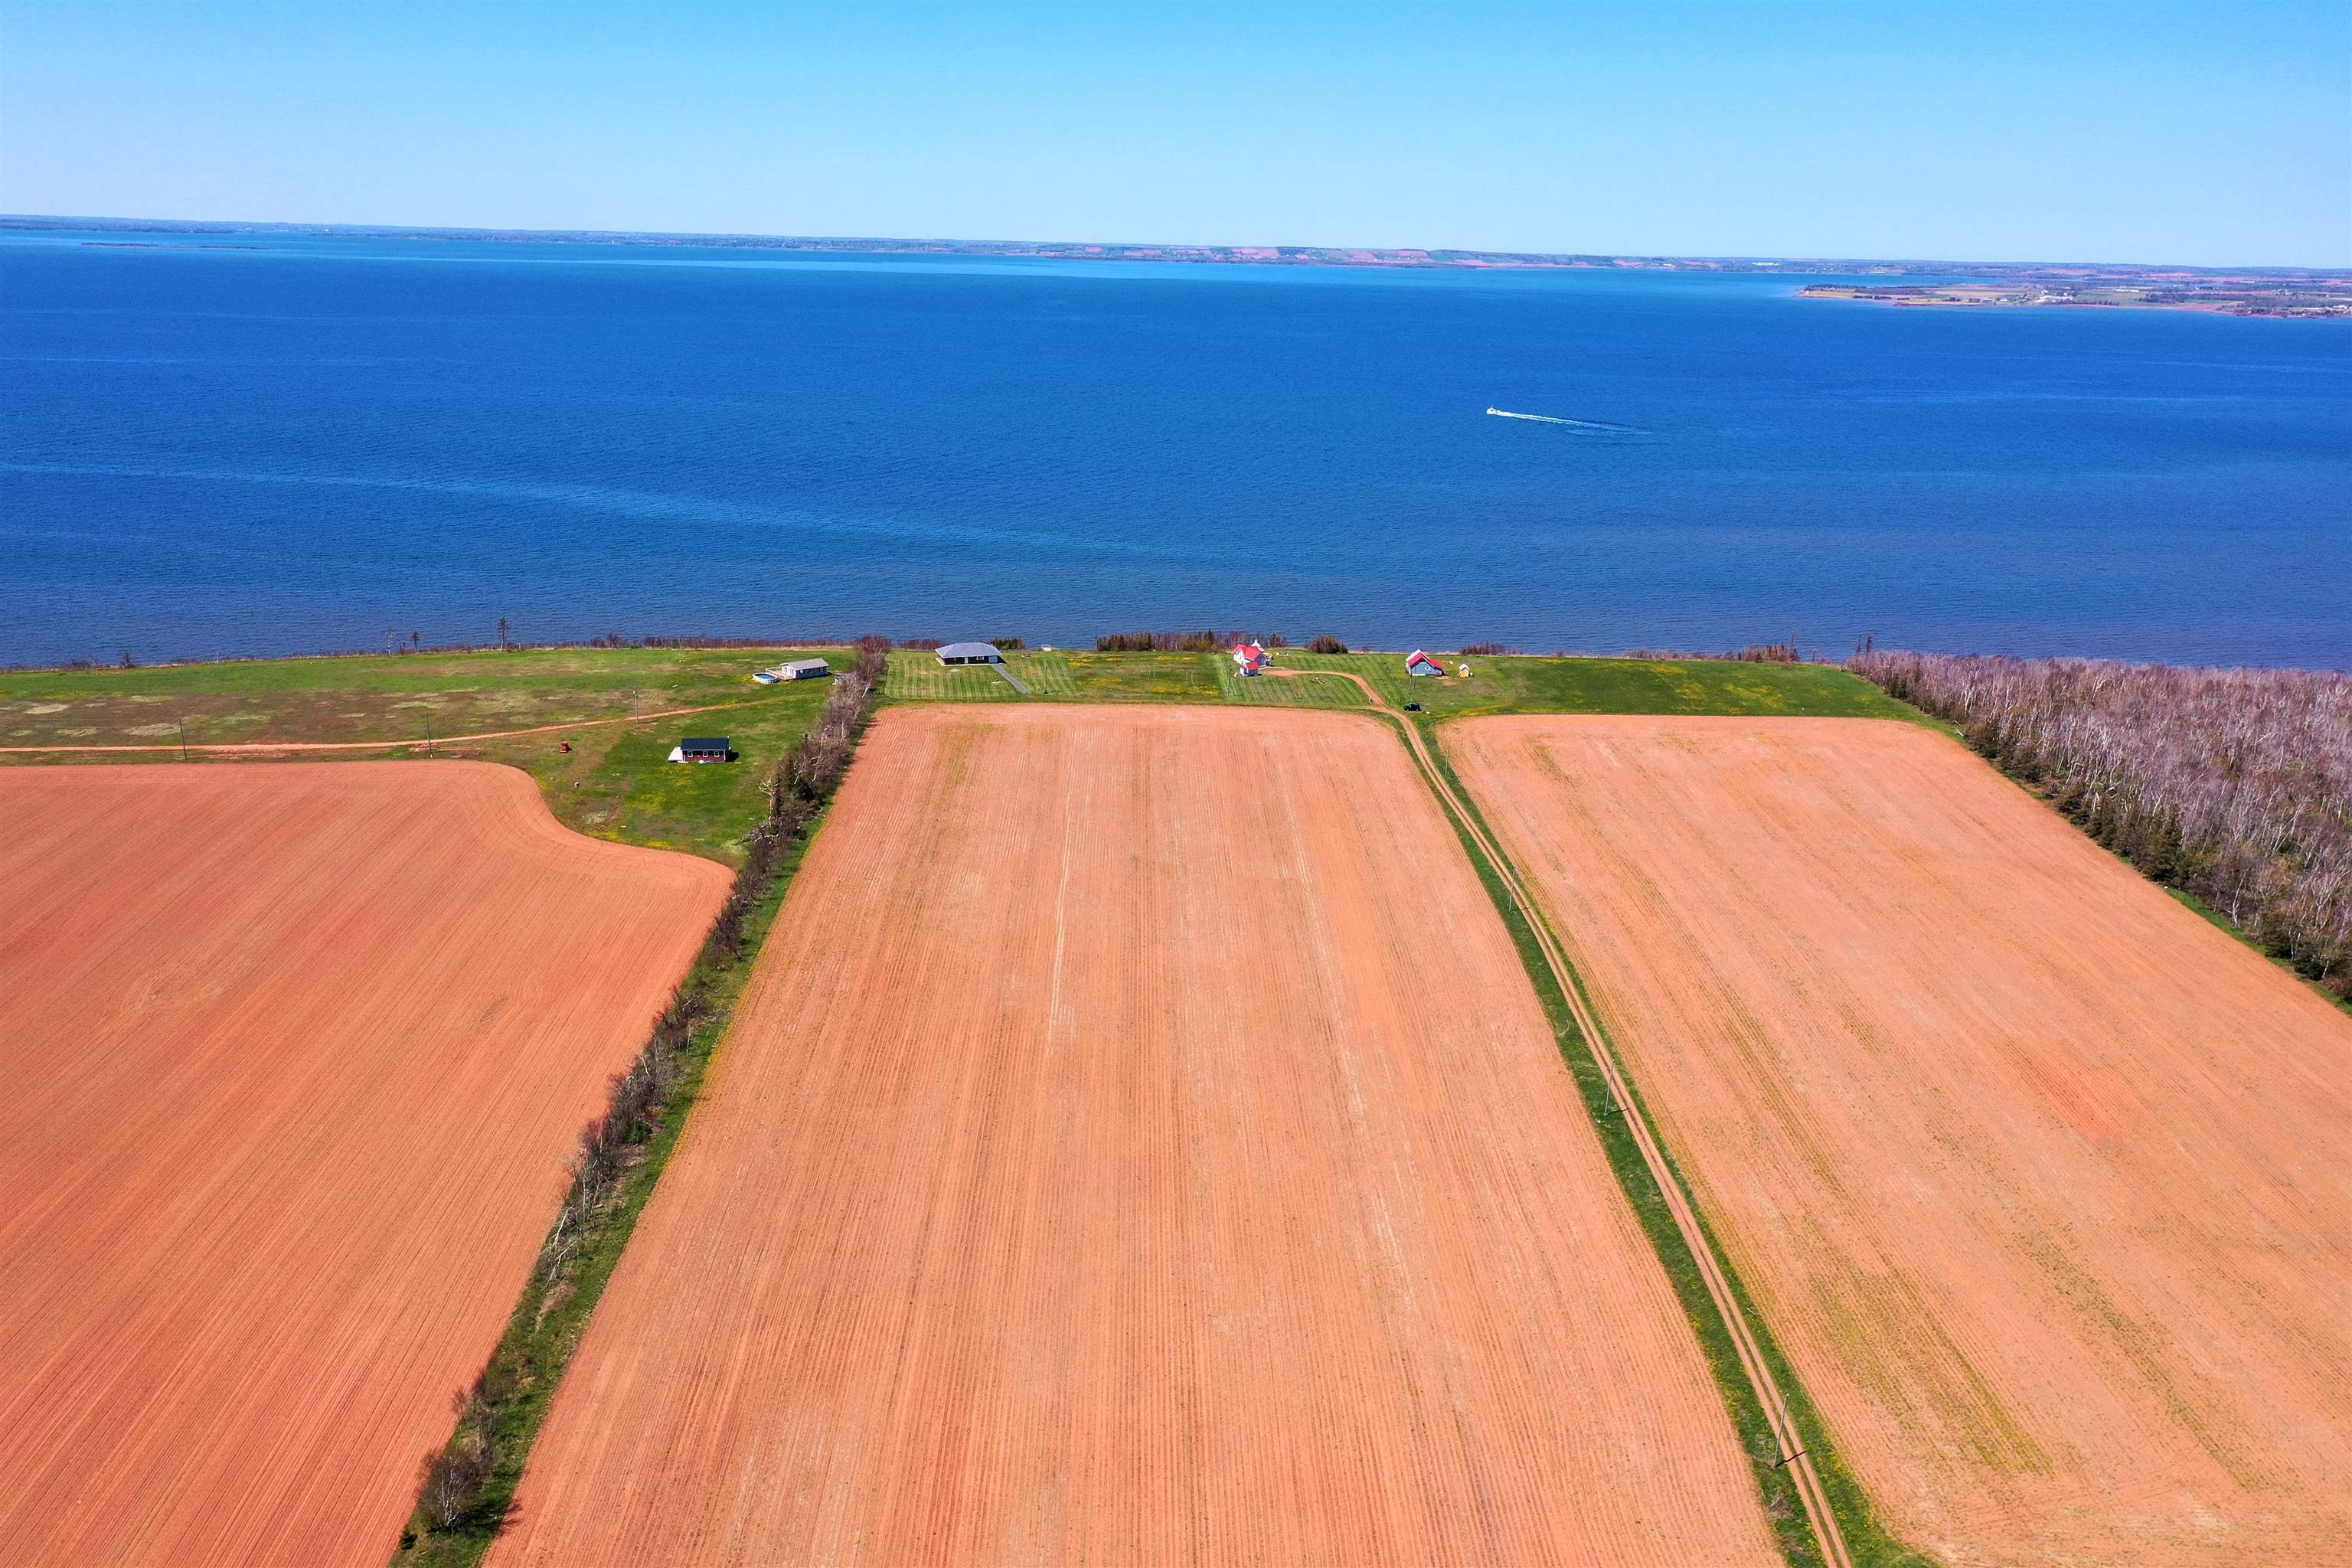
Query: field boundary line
point(1794, 1457)
point(415, 744)
point(466, 1487)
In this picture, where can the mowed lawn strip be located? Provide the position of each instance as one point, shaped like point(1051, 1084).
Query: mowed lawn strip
point(1139, 1142)
point(376, 697)
point(2037, 1180)
point(296, 1054)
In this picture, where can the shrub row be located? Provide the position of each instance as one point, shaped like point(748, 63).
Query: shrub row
point(1203, 641)
point(455, 1473)
point(1165, 642)
point(465, 1484)
point(1754, 653)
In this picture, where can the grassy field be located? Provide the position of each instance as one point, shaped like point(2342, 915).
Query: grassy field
point(615, 783)
point(370, 696)
point(918, 677)
point(1516, 684)
point(1504, 684)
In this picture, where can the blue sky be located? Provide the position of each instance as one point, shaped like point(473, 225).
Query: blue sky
point(2101, 131)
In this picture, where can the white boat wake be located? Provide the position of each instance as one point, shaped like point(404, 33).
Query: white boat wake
point(1574, 423)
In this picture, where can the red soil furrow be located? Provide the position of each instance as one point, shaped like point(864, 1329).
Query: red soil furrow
point(295, 1058)
point(2038, 1179)
point(1139, 1144)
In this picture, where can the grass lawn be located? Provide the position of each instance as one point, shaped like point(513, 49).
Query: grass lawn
point(618, 782)
point(1144, 677)
point(1504, 684)
point(615, 783)
point(917, 676)
point(1518, 684)
point(1284, 691)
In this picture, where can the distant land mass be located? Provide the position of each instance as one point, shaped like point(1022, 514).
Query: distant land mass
point(2243, 291)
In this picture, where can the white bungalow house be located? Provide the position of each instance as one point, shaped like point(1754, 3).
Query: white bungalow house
point(971, 653)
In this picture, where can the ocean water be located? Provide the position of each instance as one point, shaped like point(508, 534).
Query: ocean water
point(247, 444)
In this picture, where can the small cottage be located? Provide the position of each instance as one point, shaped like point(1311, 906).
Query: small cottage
point(971, 653)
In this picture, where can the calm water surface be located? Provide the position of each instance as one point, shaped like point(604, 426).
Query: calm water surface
point(256, 444)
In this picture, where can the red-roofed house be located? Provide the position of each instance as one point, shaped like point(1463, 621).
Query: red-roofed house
point(1249, 658)
point(1420, 663)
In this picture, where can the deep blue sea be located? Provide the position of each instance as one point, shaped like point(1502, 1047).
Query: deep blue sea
point(258, 444)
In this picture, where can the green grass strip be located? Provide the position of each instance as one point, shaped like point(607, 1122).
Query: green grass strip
point(553, 1311)
point(502, 1416)
point(1868, 1541)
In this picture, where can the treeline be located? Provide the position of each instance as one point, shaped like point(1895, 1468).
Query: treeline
point(465, 1485)
point(1754, 653)
point(2233, 784)
point(1206, 642)
point(1177, 642)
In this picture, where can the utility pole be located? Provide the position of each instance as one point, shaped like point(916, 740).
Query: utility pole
point(184, 738)
point(428, 734)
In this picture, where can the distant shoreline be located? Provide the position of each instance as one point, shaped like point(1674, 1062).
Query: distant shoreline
point(2301, 299)
point(2006, 275)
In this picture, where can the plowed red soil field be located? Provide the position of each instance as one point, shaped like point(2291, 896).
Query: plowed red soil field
point(1138, 1144)
point(2044, 1185)
point(294, 1057)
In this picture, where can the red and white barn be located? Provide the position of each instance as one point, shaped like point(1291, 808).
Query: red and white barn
point(1420, 663)
point(1249, 658)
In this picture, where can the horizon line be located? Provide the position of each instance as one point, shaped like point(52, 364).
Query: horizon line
point(1199, 251)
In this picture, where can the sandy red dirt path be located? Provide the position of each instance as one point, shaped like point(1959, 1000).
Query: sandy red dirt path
point(2044, 1185)
point(1139, 1143)
point(295, 1055)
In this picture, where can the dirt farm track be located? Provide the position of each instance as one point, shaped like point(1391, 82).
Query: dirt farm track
point(1138, 1144)
point(2044, 1184)
point(294, 1056)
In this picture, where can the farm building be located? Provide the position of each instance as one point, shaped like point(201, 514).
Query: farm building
point(702, 749)
point(971, 653)
point(1420, 663)
point(793, 670)
point(1249, 658)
